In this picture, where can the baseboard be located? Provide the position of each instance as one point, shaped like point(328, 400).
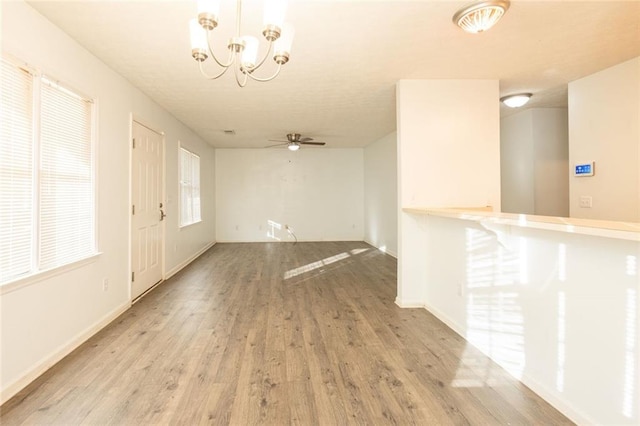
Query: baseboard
point(64, 350)
point(384, 250)
point(539, 389)
point(288, 240)
point(181, 265)
point(409, 303)
point(543, 392)
point(445, 319)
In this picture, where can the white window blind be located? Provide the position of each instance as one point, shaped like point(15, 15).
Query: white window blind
point(66, 177)
point(189, 187)
point(46, 175)
point(16, 172)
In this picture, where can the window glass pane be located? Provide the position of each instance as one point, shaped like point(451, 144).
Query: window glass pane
point(16, 172)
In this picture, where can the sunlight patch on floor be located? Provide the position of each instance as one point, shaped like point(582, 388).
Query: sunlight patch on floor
point(322, 263)
point(315, 265)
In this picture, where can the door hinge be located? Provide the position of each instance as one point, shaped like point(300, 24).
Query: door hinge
point(134, 143)
point(133, 276)
point(133, 209)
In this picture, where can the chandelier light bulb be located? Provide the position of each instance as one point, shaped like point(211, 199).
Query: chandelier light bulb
point(208, 12)
point(249, 53)
point(274, 13)
point(282, 46)
point(198, 40)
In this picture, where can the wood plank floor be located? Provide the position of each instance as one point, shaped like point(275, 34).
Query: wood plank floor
point(278, 334)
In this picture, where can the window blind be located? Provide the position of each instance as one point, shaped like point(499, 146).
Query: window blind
point(189, 187)
point(47, 214)
point(66, 177)
point(195, 187)
point(16, 172)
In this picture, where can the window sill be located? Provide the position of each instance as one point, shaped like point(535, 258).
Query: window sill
point(189, 224)
point(28, 280)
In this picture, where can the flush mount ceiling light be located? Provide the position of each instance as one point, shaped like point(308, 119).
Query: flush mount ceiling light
point(243, 49)
point(480, 16)
point(517, 100)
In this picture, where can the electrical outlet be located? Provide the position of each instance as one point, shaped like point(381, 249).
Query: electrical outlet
point(105, 284)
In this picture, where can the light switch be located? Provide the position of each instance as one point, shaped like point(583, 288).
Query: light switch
point(586, 202)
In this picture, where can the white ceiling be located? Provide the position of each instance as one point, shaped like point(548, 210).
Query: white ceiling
point(339, 86)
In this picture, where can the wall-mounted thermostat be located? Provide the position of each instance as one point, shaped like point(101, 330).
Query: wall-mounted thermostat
point(584, 169)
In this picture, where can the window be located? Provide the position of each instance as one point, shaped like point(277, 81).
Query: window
point(189, 187)
point(47, 214)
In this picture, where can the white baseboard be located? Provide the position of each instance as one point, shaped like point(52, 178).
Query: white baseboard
point(384, 250)
point(62, 351)
point(181, 265)
point(409, 303)
point(445, 319)
point(551, 397)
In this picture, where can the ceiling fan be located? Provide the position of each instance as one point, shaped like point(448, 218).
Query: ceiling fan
point(294, 140)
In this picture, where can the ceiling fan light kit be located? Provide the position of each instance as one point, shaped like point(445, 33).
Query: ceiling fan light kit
point(480, 16)
point(517, 100)
point(243, 49)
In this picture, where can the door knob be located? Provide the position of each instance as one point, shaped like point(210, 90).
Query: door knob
point(162, 215)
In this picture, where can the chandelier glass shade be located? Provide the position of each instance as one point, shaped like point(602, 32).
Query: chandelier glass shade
point(242, 49)
point(480, 16)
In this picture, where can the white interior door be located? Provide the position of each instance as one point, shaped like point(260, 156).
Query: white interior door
point(147, 209)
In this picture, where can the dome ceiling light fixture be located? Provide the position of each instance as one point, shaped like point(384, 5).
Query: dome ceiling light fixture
point(517, 100)
point(242, 53)
point(481, 15)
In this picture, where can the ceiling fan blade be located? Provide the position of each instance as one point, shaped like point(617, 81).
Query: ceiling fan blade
point(278, 144)
point(277, 140)
point(313, 143)
point(305, 139)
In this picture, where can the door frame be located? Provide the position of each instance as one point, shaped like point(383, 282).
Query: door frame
point(141, 121)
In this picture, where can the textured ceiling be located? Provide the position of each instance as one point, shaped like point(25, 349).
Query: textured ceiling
point(339, 86)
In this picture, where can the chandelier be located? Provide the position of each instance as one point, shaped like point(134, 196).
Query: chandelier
point(480, 16)
point(243, 49)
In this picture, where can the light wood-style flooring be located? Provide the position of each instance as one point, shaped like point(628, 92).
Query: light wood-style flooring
point(278, 334)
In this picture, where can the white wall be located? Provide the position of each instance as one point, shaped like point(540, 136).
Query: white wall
point(516, 163)
point(555, 309)
point(317, 192)
point(534, 158)
point(448, 156)
point(44, 320)
point(604, 126)
point(449, 143)
point(381, 194)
